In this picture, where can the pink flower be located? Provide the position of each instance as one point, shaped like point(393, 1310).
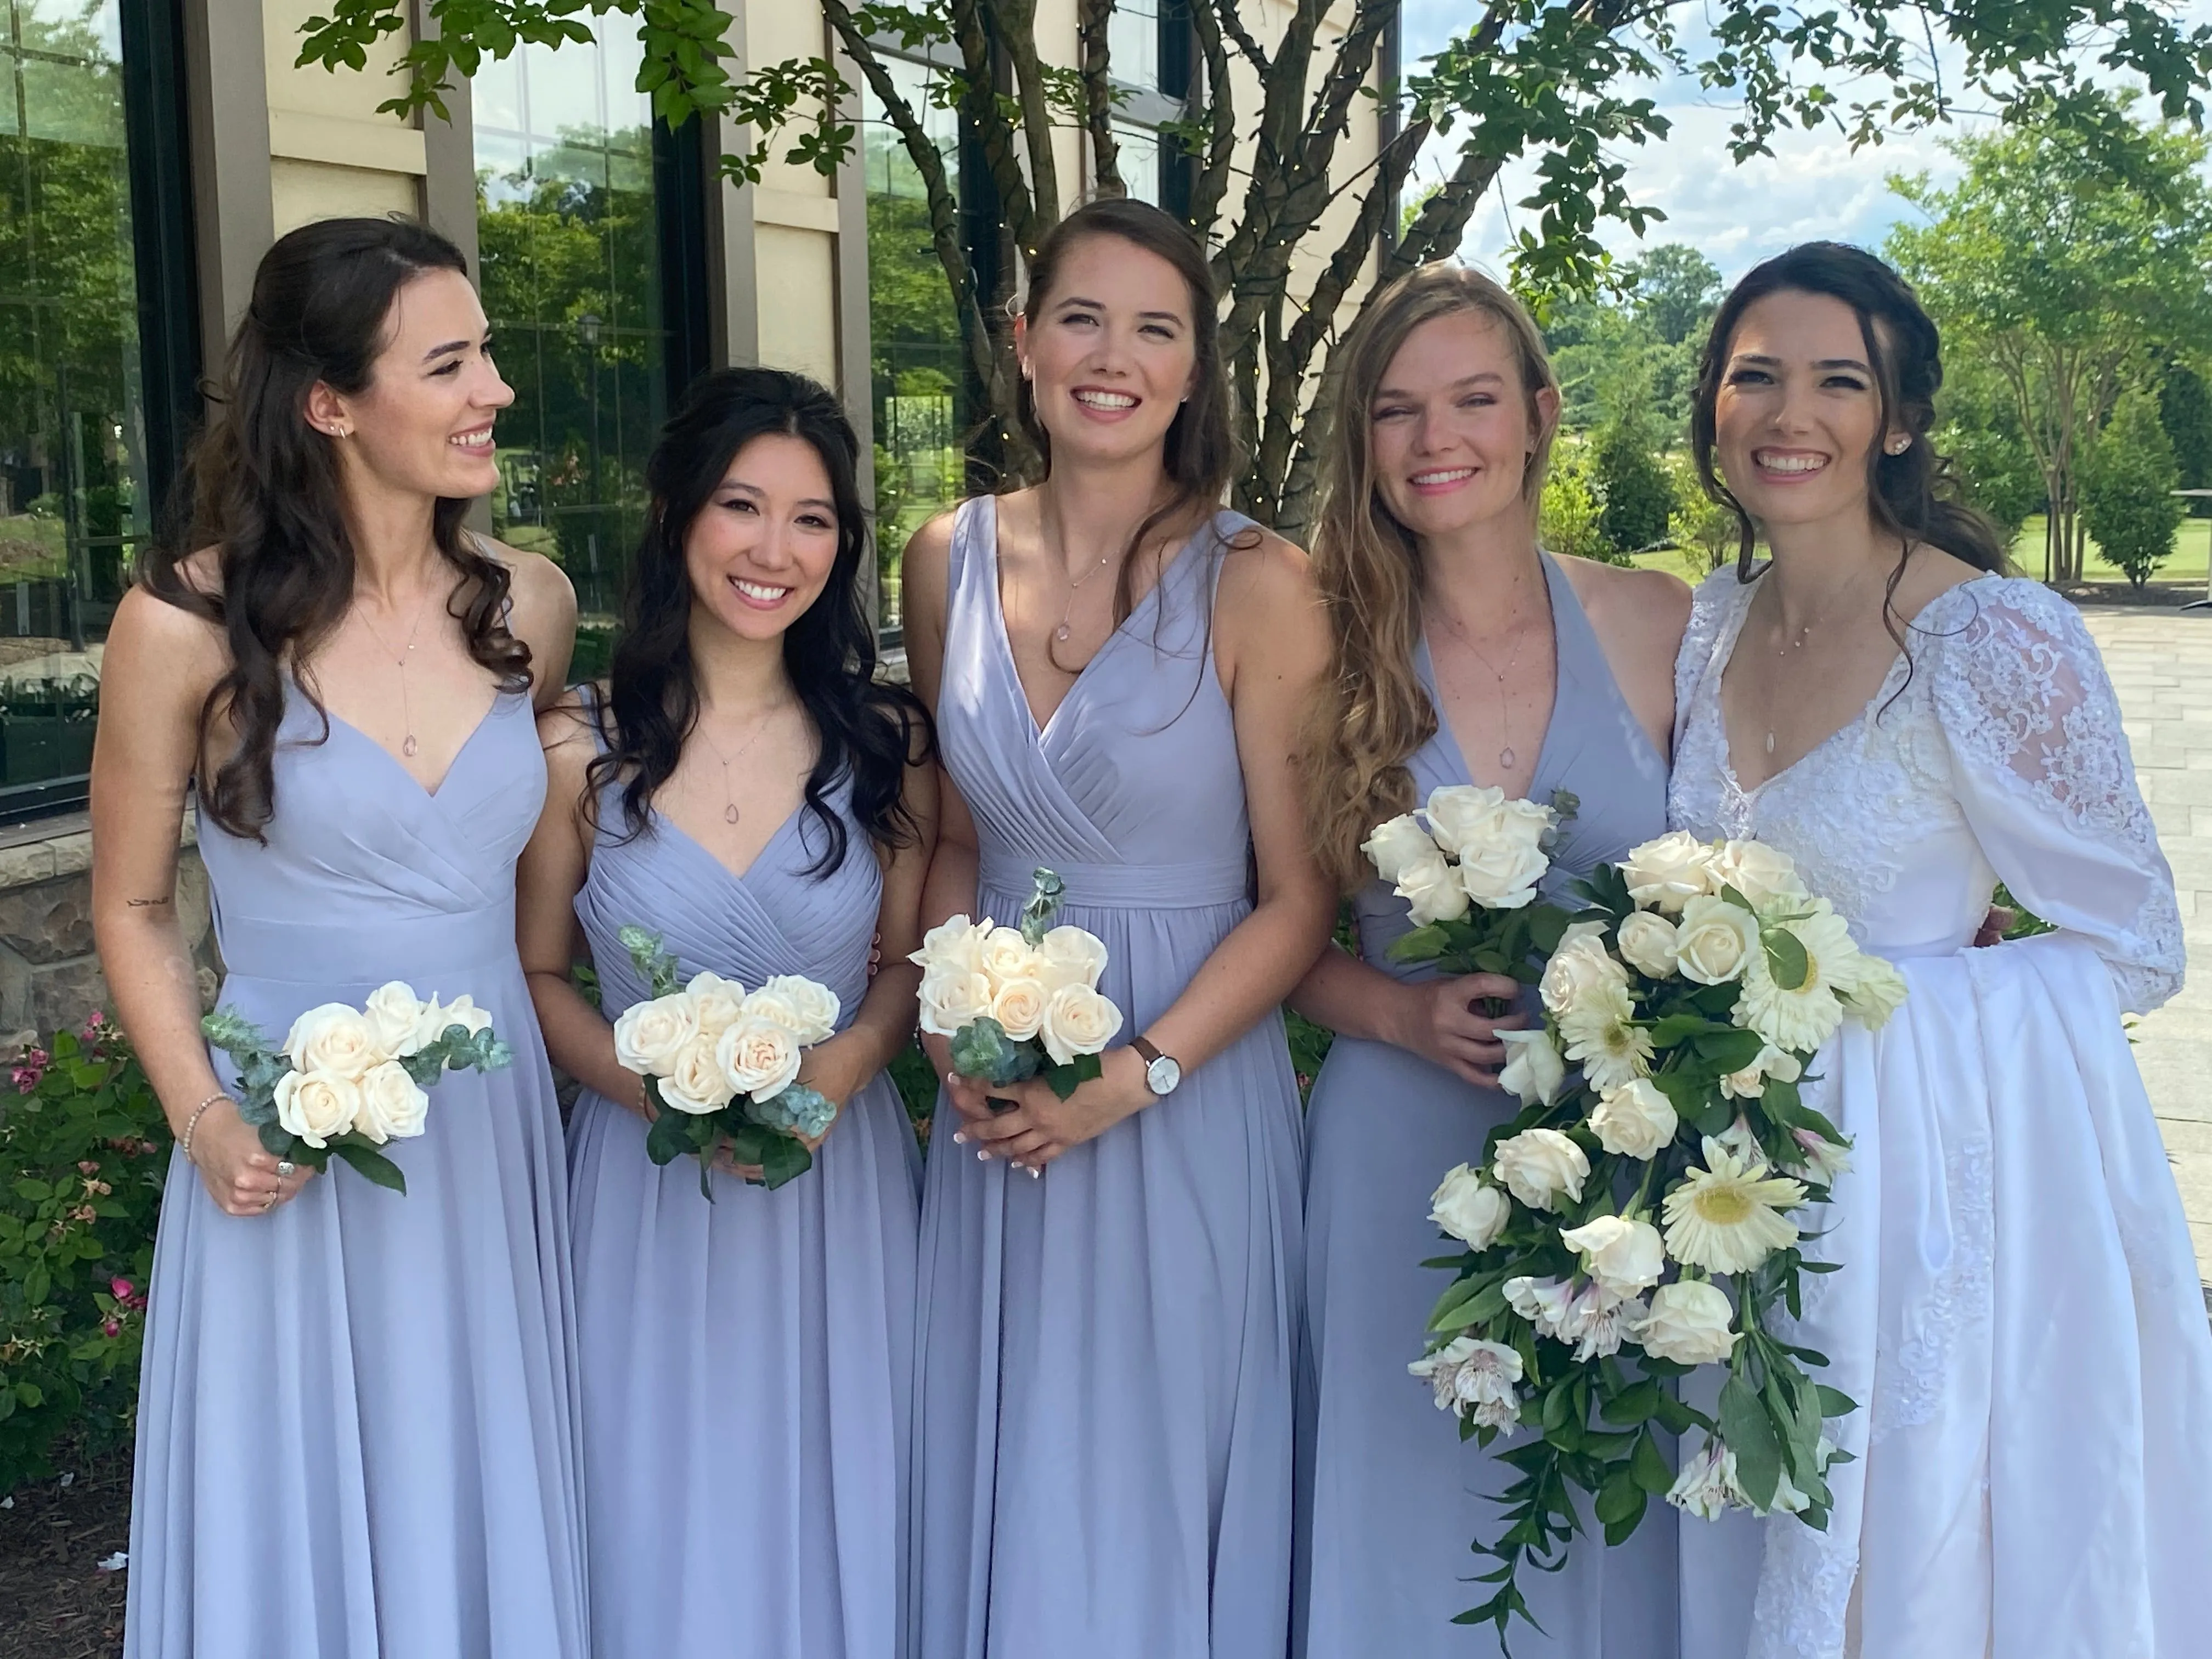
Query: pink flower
point(112, 1327)
point(86, 1167)
point(38, 1058)
point(25, 1079)
point(121, 1289)
point(94, 1023)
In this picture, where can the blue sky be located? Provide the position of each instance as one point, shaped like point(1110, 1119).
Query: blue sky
point(1814, 186)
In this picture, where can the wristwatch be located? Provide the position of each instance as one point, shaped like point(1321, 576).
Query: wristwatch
point(1161, 1073)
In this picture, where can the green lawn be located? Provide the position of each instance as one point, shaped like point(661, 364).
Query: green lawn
point(2192, 555)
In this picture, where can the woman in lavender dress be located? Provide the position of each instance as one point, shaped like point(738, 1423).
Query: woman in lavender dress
point(746, 789)
point(1461, 654)
point(356, 1429)
point(1109, 1285)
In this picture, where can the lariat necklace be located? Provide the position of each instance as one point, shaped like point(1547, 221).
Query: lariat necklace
point(1505, 753)
point(406, 704)
point(729, 813)
point(1067, 611)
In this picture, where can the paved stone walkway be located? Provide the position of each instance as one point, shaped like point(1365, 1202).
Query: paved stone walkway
point(2161, 665)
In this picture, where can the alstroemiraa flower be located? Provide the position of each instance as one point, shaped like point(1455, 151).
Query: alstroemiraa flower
point(1727, 1217)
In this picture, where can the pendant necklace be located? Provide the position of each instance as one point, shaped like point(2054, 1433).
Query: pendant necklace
point(1789, 647)
point(1060, 632)
point(729, 796)
point(406, 706)
point(1505, 755)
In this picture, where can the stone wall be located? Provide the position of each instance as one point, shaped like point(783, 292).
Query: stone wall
point(50, 973)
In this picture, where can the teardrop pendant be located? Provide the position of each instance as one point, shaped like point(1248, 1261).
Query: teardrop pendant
point(409, 747)
point(729, 813)
point(1505, 758)
point(1060, 633)
point(1769, 743)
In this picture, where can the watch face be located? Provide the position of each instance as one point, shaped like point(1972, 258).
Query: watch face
point(1161, 1075)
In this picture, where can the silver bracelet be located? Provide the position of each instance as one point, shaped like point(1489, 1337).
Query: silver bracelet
point(191, 1123)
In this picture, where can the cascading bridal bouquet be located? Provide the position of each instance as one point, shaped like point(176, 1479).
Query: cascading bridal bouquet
point(1018, 1002)
point(346, 1080)
point(1640, 1219)
point(722, 1064)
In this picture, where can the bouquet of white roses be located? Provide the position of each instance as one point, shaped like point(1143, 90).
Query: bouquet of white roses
point(1467, 864)
point(1641, 1219)
point(722, 1065)
point(347, 1080)
point(1018, 1002)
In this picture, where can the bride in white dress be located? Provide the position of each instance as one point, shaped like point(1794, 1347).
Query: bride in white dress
point(2018, 1314)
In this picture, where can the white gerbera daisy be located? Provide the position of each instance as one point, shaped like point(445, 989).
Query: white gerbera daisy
point(1803, 1019)
point(1727, 1217)
point(1599, 1038)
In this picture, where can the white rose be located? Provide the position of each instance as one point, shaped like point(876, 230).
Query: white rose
point(717, 1002)
point(335, 1040)
point(952, 997)
point(1717, 941)
point(1875, 992)
point(1688, 1324)
point(1071, 956)
point(1532, 1070)
point(955, 944)
point(1019, 1007)
point(1469, 1210)
point(1764, 875)
point(317, 1106)
point(696, 1082)
point(1636, 1119)
point(1750, 1083)
point(1624, 1256)
point(1078, 1020)
point(648, 1035)
point(393, 1107)
point(768, 1003)
point(1432, 888)
point(1501, 875)
point(1007, 955)
point(1647, 942)
point(462, 1011)
point(1463, 814)
point(1665, 873)
point(813, 1006)
point(1396, 843)
point(1579, 969)
point(759, 1057)
point(1537, 1165)
point(395, 1019)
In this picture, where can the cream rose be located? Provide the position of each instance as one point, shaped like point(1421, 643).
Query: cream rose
point(648, 1035)
point(1071, 956)
point(1462, 813)
point(1078, 1020)
point(1579, 969)
point(813, 1006)
point(462, 1011)
point(1647, 942)
point(1469, 1210)
point(1717, 941)
point(716, 1001)
point(1533, 1069)
point(1666, 873)
point(1007, 955)
point(696, 1083)
point(1537, 1165)
point(395, 1019)
point(1636, 1119)
point(1688, 1324)
point(954, 945)
point(1432, 890)
point(1875, 992)
point(759, 1057)
point(1397, 843)
point(335, 1040)
point(1625, 1256)
point(1019, 1007)
point(952, 997)
point(1763, 874)
point(393, 1107)
point(317, 1106)
point(1501, 875)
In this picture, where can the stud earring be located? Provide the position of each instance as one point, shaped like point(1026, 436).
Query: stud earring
point(1898, 446)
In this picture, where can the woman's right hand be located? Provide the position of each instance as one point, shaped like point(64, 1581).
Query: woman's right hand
point(1441, 1020)
point(238, 1171)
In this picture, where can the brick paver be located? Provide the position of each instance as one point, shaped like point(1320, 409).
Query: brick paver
point(2161, 665)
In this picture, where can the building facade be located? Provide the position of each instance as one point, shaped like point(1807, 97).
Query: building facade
point(151, 150)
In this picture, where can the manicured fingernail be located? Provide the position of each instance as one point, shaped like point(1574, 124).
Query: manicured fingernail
point(959, 1138)
point(1035, 1172)
point(982, 1156)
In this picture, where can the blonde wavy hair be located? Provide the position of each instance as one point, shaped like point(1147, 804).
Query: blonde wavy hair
point(1370, 713)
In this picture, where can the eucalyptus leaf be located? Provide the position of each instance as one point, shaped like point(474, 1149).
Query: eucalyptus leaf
point(793, 1108)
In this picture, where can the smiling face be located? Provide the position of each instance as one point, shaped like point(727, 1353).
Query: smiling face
point(1110, 351)
point(422, 425)
point(1453, 427)
point(1798, 411)
point(762, 549)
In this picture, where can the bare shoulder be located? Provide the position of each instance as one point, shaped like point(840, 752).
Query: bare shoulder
point(1268, 616)
point(1265, 572)
point(540, 588)
point(929, 550)
point(1622, 597)
point(1929, 574)
point(567, 732)
point(148, 631)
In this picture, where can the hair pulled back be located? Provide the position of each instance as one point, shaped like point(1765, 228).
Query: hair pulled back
point(865, 729)
point(1370, 712)
point(265, 490)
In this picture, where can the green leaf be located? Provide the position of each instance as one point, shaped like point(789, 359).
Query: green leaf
point(785, 1160)
point(1679, 1028)
point(1785, 958)
point(1632, 1405)
point(1750, 1434)
point(1730, 1050)
point(667, 1139)
point(1421, 945)
point(1647, 1466)
point(369, 1164)
point(1064, 1080)
point(34, 1192)
point(1620, 1498)
point(1834, 1402)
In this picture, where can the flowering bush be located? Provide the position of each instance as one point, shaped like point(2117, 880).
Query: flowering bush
point(83, 1146)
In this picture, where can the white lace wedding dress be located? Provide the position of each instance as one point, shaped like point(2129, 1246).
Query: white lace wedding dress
point(2018, 1313)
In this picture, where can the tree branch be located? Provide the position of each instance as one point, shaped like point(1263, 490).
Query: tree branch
point(1212, 185)
point(1098, 96)
point(1232, 25)
point(1015, 22)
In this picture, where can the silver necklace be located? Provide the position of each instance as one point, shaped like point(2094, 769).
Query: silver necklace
point(1791, 646)
point(730, 814)
point(406, 704)
point(1068, 610)
point(1505, 755)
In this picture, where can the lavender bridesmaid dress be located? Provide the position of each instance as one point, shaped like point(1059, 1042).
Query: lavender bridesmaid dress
point(356, 1431)
point(1105, 1389)
point(748, 1363)
point(1389, 1496)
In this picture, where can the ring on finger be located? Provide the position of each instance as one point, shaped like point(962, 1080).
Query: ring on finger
point(270, 1202)
point(286, 1169)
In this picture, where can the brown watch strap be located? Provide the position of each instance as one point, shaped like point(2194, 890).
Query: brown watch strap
point(1144, 1048)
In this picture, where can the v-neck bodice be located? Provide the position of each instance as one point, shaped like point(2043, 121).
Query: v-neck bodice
point(1594, 747)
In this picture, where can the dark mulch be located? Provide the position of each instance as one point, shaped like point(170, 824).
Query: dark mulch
point(55, 1603)
point(2150, 596)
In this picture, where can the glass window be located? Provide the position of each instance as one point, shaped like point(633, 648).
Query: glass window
point(76, 491)
point(918, 386)
point(568, 231)
point(1138, 155)
point(1133, 43)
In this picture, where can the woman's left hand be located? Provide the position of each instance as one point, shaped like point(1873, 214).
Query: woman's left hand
point(833, 1070)
point(1041, 1126)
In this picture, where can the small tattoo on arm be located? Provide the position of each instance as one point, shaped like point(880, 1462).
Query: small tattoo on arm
point(146, 903)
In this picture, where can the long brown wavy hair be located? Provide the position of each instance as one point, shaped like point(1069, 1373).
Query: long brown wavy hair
point(1370, 713)
point(265, 490)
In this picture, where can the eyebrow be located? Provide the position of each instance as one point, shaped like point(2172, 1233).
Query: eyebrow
point(830, 507)
point(1095, 305)
point(1490, 375)
point(1765, 362)
point(451, 346)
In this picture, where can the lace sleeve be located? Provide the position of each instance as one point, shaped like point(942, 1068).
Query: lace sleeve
point(2042, 775)
point(1710, 607)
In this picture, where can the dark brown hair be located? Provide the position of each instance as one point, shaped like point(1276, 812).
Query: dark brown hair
point(264, 489)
